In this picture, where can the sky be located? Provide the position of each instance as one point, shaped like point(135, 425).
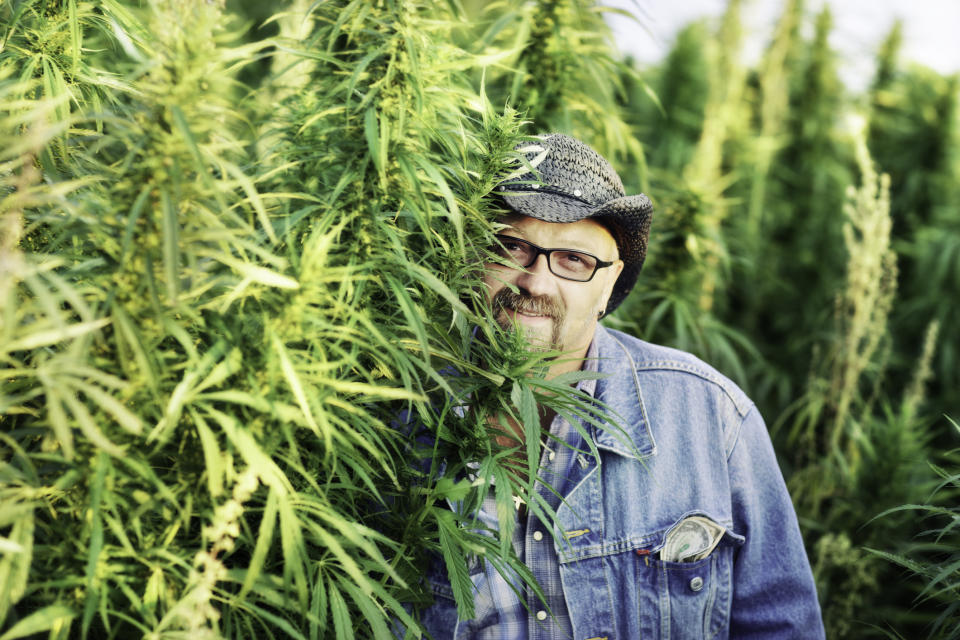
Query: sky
point(931, 30)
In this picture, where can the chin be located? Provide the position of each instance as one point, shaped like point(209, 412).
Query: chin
point(540, 339)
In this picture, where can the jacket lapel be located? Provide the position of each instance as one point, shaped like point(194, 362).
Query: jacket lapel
point(626, 426)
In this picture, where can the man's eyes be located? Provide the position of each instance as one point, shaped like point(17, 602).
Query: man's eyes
point(518, 249)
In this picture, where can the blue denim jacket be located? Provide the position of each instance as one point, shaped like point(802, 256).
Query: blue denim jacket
point(697, 446)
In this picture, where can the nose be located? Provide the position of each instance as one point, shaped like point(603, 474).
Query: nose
point(537, 279)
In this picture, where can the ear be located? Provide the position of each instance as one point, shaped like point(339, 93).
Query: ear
point(611, 279)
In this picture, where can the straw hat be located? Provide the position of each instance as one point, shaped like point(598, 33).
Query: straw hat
point(570, 182)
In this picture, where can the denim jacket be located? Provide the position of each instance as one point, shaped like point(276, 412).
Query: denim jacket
point(697, 446)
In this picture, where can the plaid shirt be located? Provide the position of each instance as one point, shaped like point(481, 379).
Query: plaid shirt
point(508, 618)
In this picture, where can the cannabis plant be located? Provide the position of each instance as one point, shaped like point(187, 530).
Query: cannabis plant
point(240, 324)
point(935, 560)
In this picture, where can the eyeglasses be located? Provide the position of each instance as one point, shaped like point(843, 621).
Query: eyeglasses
point(568, 264)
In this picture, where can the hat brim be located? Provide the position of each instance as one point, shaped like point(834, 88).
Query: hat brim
point(549, 207)
point(627, 218)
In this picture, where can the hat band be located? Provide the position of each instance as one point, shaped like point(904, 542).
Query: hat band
point(544, 188)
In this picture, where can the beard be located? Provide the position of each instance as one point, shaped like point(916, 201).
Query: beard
point(531, 305)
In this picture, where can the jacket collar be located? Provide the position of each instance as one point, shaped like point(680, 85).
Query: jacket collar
point(626, 430)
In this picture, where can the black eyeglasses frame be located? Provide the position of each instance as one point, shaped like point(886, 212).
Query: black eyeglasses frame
point(537, 251)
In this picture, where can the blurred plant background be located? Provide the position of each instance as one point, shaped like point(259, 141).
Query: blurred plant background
point(239, 245)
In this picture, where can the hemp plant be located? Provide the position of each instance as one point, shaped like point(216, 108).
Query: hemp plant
point(233, 316)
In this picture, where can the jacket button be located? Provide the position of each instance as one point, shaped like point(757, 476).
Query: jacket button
point(696, 584)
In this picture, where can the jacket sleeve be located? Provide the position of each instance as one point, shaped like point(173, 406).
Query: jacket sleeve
point(774, 595)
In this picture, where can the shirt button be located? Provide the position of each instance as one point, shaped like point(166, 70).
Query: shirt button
point(541, 615)
point(538, 535)
point(551, 456)
point(696, 584)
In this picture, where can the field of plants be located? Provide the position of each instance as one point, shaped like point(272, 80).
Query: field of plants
point(239, 252)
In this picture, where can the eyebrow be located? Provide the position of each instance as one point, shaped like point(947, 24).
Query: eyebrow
point(594, 252)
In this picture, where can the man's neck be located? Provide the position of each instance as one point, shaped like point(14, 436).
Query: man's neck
point(569, 361)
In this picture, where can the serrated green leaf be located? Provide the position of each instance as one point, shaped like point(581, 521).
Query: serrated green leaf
point(342, 622)
point(453, 556)
point(54, 336)
point(295, 555)
point(111, 406)
point(49, 618)
point(374, 615)
point(88, 426)
point(213, 457)
point(263, 545)
point(15, 566)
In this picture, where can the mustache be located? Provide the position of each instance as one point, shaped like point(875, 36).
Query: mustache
point(527, 304)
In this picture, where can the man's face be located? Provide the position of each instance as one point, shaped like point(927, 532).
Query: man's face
point(553, 312)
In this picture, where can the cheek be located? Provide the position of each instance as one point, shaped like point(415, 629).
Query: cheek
point(585, 300)
point(493, 280)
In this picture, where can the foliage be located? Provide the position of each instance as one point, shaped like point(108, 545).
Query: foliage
point(784, 257)
point(690, 264)
point(239, 313)
point(235, 273)
point(558, 67)
point(914, 134)
point(938, 560)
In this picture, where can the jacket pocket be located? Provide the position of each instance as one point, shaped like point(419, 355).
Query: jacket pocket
point(687, 600)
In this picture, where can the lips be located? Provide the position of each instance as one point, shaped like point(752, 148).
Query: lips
point(529, 313)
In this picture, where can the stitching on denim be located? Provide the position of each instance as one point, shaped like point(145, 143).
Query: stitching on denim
point(608, 549)
point(740, 401)
point(711, 593)
point(736, 433)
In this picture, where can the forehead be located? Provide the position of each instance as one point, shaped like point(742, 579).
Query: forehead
point(587, 235)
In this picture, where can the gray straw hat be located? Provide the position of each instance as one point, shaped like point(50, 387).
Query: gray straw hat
point(570, 182)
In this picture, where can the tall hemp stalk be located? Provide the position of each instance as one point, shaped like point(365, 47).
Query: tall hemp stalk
point(723, 116)
point(682, 86)
point(827, 423)
point(796, 260)
point(864, 307)
point(850, 450)
point(773, 98)
point(752, 222)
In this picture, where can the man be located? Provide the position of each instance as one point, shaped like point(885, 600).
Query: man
point(682, 530)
